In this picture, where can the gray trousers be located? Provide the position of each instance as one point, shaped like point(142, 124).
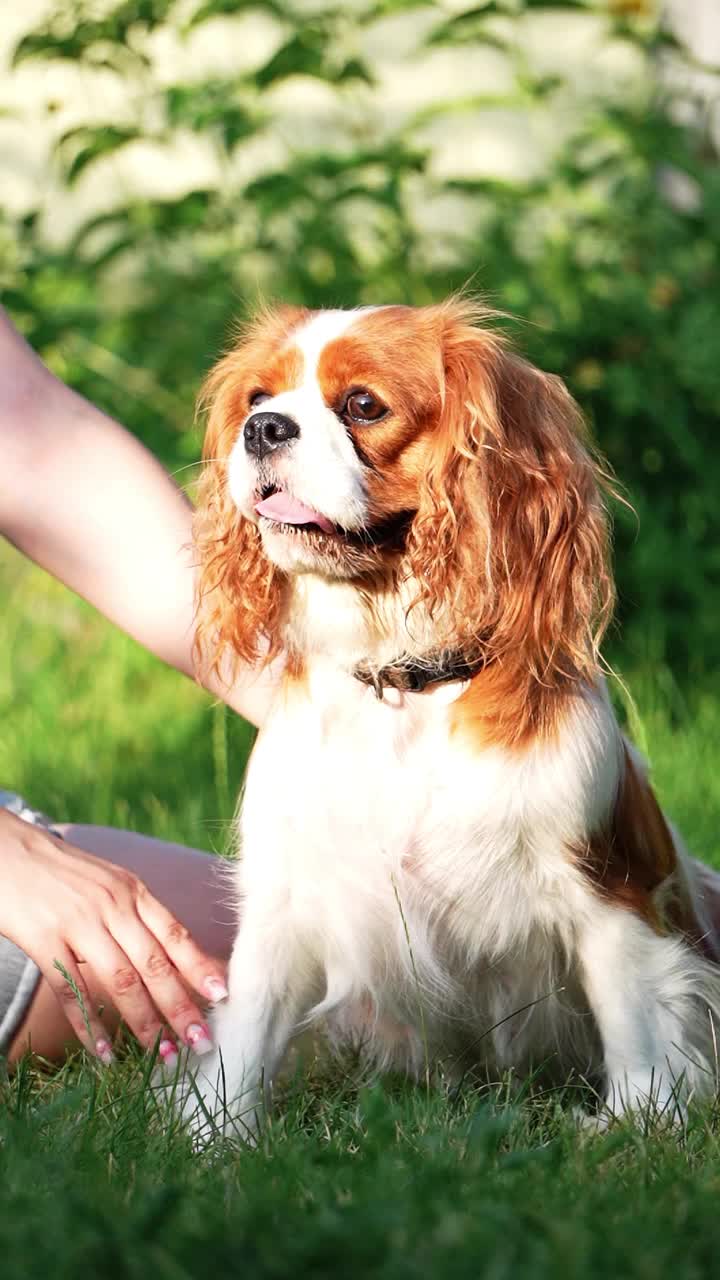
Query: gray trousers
point(19, 975)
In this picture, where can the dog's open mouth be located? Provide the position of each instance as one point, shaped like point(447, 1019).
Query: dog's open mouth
point(294, 517)
point(282, 509)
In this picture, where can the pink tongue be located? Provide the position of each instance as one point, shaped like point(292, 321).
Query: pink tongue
point(287, 510)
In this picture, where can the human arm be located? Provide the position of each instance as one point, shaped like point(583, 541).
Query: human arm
point(86, 501)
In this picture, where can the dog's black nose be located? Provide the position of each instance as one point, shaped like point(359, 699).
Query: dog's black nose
point(267, 431)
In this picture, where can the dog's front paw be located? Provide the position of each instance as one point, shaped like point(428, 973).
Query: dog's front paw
point(648, 1099)
point(199, 1095)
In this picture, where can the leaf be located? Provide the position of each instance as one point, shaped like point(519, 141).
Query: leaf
point(498, 188)
point(112, 217)
point(565, 4)
point(274, 191)
point(303, 54)
point(81, 146)
point(539, 87)
point(310, 51)
point(467, 27)
point(212, 104)
point(473, 102)
point(230, 8)
point(386, 8)
point(166, 217)
point(353, 69)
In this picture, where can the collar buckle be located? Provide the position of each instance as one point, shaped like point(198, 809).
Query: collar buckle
point(412, 675)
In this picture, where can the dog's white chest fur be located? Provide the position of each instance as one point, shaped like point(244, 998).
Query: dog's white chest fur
point(424, 895)
point(408, 871)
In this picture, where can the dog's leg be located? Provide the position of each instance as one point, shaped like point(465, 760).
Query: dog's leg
point(273, 981)
point(647, 993)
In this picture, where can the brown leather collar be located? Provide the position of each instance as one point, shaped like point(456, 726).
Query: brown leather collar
point(412, 675)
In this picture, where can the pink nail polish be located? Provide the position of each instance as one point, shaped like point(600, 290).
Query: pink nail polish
point(215, 990)
point(167, 1050)
point(198, 1037)
point(104, 1052)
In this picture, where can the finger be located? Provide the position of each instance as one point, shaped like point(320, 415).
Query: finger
point(121, 979)
point(161, 980)
point(201, 972)
point(72, 992)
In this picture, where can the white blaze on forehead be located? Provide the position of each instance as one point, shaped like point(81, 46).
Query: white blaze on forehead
point(325, 327)
point(321, 469)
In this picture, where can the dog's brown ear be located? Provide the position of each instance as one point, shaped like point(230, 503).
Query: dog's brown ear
point(239, 597)
point(550, 560)
point(511, 539)
point(238, 593)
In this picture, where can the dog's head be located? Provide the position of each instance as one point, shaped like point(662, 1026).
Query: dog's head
point(404, 444)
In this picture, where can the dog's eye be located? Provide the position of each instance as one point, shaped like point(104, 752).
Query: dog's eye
point(257, 397)
point(363, 406)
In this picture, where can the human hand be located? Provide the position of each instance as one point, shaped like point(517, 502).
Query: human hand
point(77, 915)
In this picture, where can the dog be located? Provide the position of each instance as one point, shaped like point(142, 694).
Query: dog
point(449, 853)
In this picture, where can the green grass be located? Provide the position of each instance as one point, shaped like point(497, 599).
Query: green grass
point(96, 730)
point(354, 1180)
point(382, 1181)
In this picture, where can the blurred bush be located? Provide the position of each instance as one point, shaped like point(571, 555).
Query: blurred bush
point(613, 277)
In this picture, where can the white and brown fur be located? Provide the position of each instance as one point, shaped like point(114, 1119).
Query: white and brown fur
point(478, 872)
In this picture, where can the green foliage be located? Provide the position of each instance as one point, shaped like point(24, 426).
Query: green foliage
point(615, 287)
point(74, 31)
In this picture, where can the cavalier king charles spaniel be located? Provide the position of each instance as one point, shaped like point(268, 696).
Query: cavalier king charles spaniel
point(449, 853)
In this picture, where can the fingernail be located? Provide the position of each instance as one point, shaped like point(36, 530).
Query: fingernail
point(215, 990)
point(198, 1037)
point(167, 1049)
point(104, 1052)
